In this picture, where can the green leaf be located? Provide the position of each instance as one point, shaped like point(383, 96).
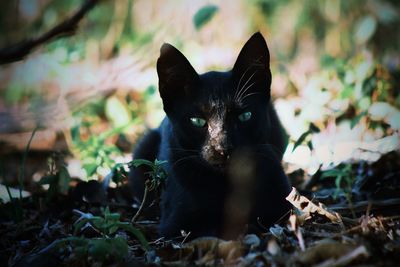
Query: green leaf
point(129, 228)
point(112, 229)
point(75, 134)
point(204, 15)
point(63, 180)
point(313, 128)
point(301, 139)
point(139, 162)
point(117, 112)
point(120, 247)
point(98, 222)
point(112, 217)
point(338, 181)
point(357, 119)
point(347, 92)
point(310, 145)
point(159, 162)
point(48, 179)
point(331, 173)
point(99, 248)
point(90, 168)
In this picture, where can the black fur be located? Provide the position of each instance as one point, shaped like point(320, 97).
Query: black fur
point(226, 173)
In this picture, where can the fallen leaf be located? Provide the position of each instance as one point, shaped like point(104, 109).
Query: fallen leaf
point(323, 250)
point(306, 206)
point(215, 248)
point(346, 259)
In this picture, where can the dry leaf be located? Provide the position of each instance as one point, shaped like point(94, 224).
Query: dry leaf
point(307, 207)
point(346, 259)
point(323, 250)
point(214, 248)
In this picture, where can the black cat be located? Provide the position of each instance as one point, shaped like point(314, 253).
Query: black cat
point(223, 143)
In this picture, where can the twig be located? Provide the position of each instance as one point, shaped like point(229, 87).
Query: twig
point(21, 176)
point(18, 51)
point(362, 205)
point(146, 190)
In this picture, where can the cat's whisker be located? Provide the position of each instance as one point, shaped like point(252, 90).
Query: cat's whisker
point(256, 64)
point(242, 98)
point(183, 150)
point(183, 159)
point(244, 91)
point(240, 80)
point(238, 93)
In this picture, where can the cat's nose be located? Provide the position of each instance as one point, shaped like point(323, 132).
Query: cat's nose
point(223, 152)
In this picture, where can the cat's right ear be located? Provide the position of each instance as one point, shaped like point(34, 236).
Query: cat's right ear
point(175, 74)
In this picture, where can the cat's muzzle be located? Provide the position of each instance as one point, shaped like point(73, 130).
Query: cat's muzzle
point(216, 158)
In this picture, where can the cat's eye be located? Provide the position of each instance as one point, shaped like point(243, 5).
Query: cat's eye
point(198, 122)
point(245, 116)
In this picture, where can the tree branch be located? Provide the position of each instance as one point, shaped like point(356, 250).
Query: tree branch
point(18, 51)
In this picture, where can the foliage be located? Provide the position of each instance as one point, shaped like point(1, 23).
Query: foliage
point(99, 249)
point(91, 144)
point(157, 174)
point(57, 178)
point(203, 15)
point(110, 245)
point(344, 179)
point(311, 129)
point(94, 151)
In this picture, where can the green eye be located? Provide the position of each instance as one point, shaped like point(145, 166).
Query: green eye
point(198, 122)
point(245, 116)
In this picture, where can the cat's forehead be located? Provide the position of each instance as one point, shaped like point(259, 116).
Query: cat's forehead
point(215, 77)
point(216, 88)
point(215, 94)
point(216, 106)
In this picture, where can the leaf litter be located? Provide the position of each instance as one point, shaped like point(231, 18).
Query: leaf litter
point(328, 226)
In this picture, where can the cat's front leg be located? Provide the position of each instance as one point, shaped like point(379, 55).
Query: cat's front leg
point(259, 188)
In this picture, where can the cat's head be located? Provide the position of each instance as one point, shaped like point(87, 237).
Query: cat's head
point(215, 113)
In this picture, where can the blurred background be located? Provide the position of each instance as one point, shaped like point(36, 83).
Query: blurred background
point(90, 95)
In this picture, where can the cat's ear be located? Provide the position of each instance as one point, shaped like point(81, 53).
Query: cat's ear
point(252, 65)
point(175, 74)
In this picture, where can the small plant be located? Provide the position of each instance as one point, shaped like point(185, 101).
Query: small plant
point(119, 173)
point(344, 180)
point(157, 176)
point(157, 173)
point(110, 244)
point(16, 207)
point(57, 178)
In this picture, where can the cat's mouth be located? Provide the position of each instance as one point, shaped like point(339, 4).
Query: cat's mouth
point(218, 163)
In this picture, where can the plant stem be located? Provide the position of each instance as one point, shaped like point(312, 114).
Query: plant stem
point(146, 190)
point(22, 169)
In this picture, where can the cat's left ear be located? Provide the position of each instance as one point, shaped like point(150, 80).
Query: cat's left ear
point(252, 66)
point(175, 75)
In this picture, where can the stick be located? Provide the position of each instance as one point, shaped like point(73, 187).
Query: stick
point(18, 51)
